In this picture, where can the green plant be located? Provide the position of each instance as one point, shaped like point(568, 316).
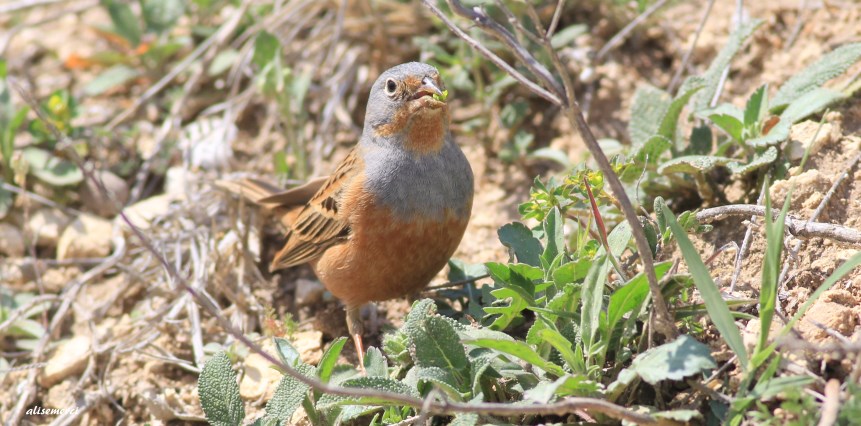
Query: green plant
point(23, 308)
point(739, 140)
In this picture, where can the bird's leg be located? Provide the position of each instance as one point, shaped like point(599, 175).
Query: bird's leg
point(355, 327)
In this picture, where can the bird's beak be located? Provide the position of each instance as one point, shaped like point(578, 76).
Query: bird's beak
point(428, 88)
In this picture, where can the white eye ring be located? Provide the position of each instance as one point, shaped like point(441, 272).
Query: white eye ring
point(391, 86)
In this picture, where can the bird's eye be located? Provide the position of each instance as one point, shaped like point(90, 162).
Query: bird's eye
point(391, 86)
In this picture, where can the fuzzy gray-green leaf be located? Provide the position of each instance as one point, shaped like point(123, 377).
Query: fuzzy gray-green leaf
point(288, 395)
point(676, 360)
point(759, 160)
point(377, 383)
point(810, 103)
point(827, 67)
point(693, 164)
point(219, 392)
point(436, 344)
point(649, 107)
point(711, 78)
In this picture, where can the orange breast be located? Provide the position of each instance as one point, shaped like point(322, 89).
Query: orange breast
point(386, 257)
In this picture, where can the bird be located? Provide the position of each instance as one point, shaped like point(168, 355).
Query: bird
point(393, 212)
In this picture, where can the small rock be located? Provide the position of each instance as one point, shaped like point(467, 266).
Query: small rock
point(834, 316)
point(87, 236)
point(176, 182)
point(259, 380)
point(310, 346)
point(97, 202)
point(60, 395)
point(11, 240)
point(69, 358)
point(308, 292)
point(142, 213)
point(46, 225)
point(801, 136)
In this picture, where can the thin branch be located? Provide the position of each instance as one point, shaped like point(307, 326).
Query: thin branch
point(799, 228)
point(745, 243)
point(687, 57)
point(554, 22)
point(623, 34)
point(475, 44)
point(457, 283)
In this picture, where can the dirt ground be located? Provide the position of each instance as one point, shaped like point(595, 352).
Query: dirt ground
point(130, 345)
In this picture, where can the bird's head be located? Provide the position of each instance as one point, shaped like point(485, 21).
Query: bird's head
point(408, 103)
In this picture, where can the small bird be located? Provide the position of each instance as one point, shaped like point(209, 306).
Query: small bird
point(394, 210)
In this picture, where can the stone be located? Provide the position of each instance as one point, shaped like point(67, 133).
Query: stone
point(142, 213)
point(309, 344)
point(259, 380)
point(69, 358)
point(803, 134)
point(11, 241)
point(45, 226)
point(96, 201)
point(308, 292)
point(86, 236)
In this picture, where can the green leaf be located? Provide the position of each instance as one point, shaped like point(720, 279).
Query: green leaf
point(564, 346)
point(774, 232)
point(222, 62)
point(386, 384)
point(219, 392)
point(551, 154)
point(648, 109)
point(441, 377)
point(288, 396)
point(125, 22)
point(670, 120)
point(266, 49)
point(375, 363)
point(630, 296)
point(161, 15)
point(114, 76)
point(809, 103)
point(676, 360)
point(518, 238)
point(593, 291)
point(778, 134)
point(729, 124)
point(436, 344)
point(756, 107)
point(712, 77)
point(701, 141)
point(288, 354)
point(329, 359)
point(760, 160)
point(693, 164)
point(52, 169)
point(717, 308)
point(554, 235)
point(827, 67)
point(567, 35)
point(652, 149)
point(520, 350)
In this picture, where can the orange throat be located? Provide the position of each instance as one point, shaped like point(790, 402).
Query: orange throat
point(426, 132)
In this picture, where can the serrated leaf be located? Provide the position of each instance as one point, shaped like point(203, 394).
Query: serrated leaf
point(518, 237)
point(288, 395)
point(693, 164)
point(520, 350)
point(52, 169)
point(114, 76)
point(712, 77)
point(219, 392)
point(676, 360)
point(760, 160)
point(386, 384)
point(124, 20)
point(650, 105)
point(827, 67)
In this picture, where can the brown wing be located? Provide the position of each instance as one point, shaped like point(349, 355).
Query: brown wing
point(273, 199)
point(319, 224)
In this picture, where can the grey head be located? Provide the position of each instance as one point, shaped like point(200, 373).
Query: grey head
point(399, 88)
